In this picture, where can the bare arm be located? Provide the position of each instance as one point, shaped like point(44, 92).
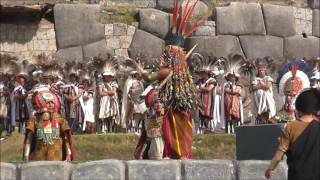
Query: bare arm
point(274, 163)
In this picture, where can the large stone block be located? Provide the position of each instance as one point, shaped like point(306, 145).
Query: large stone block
point(166, 5)
point(154, 170)
point(8, 171)
point(240, 19)
point(105, 169)
point(299, 47)
point(316, 23)
point(279, 20)
point(155, 22)
point(77, 24)
point(97, 49)
point(69, 54)
point(315, 4)
point(146, 45)
point(200, 10)
point(254, 169)
point(46, 170)
point(213, 169)
point(262, 46)
point(218, 46)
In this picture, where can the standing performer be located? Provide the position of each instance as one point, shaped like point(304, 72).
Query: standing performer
point(293, 78)
point(133, 107)
point(264, 103)
point(88, 101)
point(175, 92)
point(48, 135)
point(18, 98)
point(109, 106)
point(231, 105)
point(73, 99)
point(208, 89)
point(7, 70)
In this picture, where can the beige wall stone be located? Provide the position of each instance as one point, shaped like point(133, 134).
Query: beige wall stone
point(27, 40)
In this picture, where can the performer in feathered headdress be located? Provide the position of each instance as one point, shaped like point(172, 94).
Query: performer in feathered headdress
point(315, 80)
point(73, 97)
point(232, 93)
point(109, 115)
point(262, 92)
point(18, 97)
point(133, 106)
point(8, 68)
point(209, 91)
point(87, 80)
point(292, 79)
point(48, 135)
point(174, 96)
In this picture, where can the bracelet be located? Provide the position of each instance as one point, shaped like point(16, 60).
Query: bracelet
point(273, 164)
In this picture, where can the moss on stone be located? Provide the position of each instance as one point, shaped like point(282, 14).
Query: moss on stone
point(119, 13)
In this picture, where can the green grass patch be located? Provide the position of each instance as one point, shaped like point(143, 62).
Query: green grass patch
point(119, 13)
point(122, 146)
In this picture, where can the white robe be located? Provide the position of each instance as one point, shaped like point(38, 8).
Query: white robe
point(88, 111)
point(109, 106)
point(263, 100)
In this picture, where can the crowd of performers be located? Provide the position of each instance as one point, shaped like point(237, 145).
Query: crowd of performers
point(182, 93)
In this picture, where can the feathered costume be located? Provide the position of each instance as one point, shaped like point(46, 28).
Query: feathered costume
point(232, 94)
point(8, 68)
point(18, 98)
point(108, 113)
point(48, 135)
point(73, 100)
point(292, 79)
point(175, 93)
point(209, 90)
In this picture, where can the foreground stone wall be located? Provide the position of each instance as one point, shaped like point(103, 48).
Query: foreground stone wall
point(138, 170)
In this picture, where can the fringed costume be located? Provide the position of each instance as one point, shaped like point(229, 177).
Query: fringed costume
point(175, 91)
point(48, 135)
point(292, 79)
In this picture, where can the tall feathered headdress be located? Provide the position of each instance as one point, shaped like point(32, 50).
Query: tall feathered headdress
point(54, 70)
point(8, 65)
point(206, 63)
point(180, 24)
point(104, 66)
point(72, 68)
point(234, 65)
point(299, 69)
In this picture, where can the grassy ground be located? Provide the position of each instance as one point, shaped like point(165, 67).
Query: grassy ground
point(121, 146)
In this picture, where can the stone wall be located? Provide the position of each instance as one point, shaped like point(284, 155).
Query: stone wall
point(138, 170)
point(119, 37)
point(28, 40)
point(250, 29)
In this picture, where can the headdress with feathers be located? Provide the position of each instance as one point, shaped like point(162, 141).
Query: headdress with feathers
point(207, 63)
point(25, 67)
point(251, 68)
point(8, 65)
point(103, 66)
point(181, 29)
point(234, 65)
point(72, 68)
point(298, 68)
